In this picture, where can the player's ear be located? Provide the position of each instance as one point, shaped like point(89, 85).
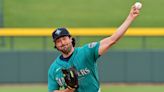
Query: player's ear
point(71, 39)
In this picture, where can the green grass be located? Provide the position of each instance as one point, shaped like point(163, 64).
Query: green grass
point(104, 88)
point(140, 88)
point(79, 13)
point(23, 88)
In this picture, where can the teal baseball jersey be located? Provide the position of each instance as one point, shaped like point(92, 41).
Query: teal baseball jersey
point(84, 60)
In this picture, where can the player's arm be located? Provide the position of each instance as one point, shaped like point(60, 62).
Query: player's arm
point(106, 43)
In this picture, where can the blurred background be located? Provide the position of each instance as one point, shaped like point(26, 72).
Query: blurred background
point(134, 64)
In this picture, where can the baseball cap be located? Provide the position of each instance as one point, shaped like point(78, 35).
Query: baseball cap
point(59, 32)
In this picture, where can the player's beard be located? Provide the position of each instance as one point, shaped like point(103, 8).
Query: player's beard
point(66, 49)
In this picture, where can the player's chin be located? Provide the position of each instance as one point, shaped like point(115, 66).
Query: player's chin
point(66, 50)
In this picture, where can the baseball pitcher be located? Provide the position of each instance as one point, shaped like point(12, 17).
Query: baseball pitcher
point(75, 69)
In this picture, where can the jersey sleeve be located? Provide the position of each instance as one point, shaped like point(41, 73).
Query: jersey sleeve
point(91, 50)
point(52, 84)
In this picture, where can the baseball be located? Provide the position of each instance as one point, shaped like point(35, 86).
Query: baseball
point(138, 5)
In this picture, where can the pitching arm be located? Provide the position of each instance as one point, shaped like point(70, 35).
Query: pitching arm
point(106, 43)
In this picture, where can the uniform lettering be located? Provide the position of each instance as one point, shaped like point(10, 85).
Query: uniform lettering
point(60, 81)
point(83, 72)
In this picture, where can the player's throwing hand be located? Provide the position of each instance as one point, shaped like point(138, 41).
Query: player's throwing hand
point(134, 11)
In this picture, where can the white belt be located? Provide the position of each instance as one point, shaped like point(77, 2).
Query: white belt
point(99, 90)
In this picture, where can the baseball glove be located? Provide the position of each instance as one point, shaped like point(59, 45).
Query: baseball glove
point(71, 77)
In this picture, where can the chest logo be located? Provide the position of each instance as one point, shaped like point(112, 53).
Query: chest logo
point(91, 45)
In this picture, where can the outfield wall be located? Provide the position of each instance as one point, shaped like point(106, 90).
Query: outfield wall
point(117, 66)
point(28, 66)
